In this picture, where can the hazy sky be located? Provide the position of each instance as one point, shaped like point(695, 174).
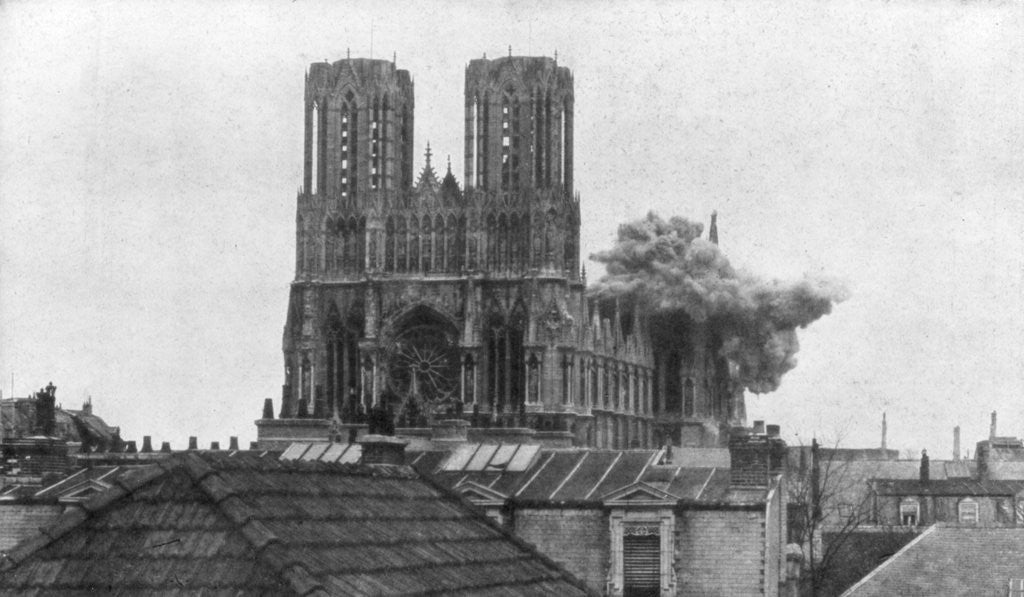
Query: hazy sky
point(150, 155)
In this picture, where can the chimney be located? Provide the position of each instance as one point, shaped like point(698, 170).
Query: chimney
point(383, 449)
point(233, 443)
point(981, 453)
point(992, 427)
point(268, 408)
point(885, 430)
point(165, 447)
point(147, 443)
point(193, 443)
point(758, 427)
point(925, 472)
point(713, 229)
point(956, 443)
point(773, 430)
point(215, 445)
point(755, 458)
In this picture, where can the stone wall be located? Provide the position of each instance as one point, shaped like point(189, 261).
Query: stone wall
point(575, 538)
point(721, 552)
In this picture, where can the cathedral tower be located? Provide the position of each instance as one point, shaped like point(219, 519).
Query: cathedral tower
point(519, 125)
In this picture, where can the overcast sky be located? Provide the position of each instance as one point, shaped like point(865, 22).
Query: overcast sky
point(150, 155)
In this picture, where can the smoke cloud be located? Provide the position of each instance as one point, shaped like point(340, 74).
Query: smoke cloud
point(665, 266)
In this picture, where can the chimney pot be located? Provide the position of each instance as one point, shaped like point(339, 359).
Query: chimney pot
point(233, 443)
point(193, 443)
point(383, 449)
point(268, 408)
point(147, 444)
point(215, 445)
point(165, 447)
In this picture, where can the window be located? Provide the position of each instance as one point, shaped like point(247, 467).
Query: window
point(641, 559)
point(909, 513)
point(1016, 587)
point(968, 511)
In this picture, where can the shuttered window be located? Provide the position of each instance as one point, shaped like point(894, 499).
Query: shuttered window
point(641, 561)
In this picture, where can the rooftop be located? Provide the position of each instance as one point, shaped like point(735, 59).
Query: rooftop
point(250, 523)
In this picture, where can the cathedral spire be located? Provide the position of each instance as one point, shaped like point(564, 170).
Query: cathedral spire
point(428, 154)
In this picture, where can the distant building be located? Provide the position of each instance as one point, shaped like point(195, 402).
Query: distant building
point(428, 297)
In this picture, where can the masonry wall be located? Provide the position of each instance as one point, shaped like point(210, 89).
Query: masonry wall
point(20, 521)
point(576, 539)
point(720, 553)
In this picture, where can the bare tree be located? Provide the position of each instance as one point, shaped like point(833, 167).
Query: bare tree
point(831, 518)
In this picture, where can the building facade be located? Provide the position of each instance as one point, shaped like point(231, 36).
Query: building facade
point(424, 296)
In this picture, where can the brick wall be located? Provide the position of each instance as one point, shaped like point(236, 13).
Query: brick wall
point(720, 552)
point(576, 539)
point(20, 521)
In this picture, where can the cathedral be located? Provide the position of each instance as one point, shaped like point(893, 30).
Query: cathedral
point(429, 300)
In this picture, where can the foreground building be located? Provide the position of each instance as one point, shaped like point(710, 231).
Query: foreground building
point(626, 522)
point(245, 524)
point(423, 296)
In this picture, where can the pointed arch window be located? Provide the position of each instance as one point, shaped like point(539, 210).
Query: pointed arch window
point(451, 239)
point(503, 241)
point(389, 244)
point(441, 244)
point(374, 145)
point(314, 148)
point(414, 244)
point(427, 245)
point(329, 242)
point(401, 245)
point(689, 397)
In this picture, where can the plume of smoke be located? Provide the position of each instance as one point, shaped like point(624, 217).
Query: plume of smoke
point(666, 267)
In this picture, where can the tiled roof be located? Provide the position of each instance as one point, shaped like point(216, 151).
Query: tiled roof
point(237, 523)
point(949, 560)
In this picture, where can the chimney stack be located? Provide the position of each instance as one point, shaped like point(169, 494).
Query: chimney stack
point(925, 468)
point(758, 427)
point(215, 445)
point(992, 427)
point(268, 408)
point(885, 430)
point(193, 443)
point(755, 458)
point(147, 443)
point(956, 443)
point(165, 447)
point(383, 449)
point(233, 443)
point(131, 449)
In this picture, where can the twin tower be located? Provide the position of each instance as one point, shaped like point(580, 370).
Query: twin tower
point(433, 300)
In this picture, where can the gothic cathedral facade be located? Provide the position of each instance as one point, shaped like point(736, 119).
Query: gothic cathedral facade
point(433, 300)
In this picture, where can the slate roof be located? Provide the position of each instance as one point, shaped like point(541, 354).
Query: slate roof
point(955, 487)
point(949, 560)
point(246, 524)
